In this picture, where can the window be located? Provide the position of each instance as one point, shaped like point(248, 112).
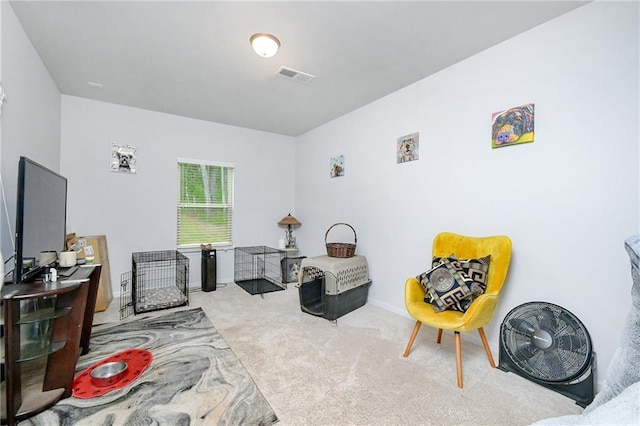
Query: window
point(205, 203)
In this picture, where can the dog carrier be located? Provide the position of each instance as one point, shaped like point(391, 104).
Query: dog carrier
point(331, 287)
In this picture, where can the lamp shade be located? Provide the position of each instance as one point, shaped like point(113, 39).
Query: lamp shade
point(265, 45)
point(289, 220)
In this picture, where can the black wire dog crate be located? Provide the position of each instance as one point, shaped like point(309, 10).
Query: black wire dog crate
point(159, 280)
point(257, 269)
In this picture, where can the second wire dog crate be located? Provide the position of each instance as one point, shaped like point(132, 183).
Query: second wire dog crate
point(159, 280)
point(257, 269)
point(331, 287)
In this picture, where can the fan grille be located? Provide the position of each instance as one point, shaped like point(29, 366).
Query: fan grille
point(546, 341)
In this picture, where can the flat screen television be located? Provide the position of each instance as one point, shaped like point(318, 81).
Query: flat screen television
point(41, 216)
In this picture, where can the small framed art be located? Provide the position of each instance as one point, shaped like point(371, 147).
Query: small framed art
point(291, 269)
point(513, 126)
point(124, 158)
point(336, 166)
point(408, 148)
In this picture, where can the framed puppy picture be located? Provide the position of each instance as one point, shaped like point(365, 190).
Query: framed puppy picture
point(336, 166)
point(513, 126)
point(123, 158)
point(291, 269)
point(407, 148)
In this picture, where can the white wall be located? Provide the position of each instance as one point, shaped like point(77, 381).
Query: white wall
point(30, 117)
point(568, 200)
point(137, 212)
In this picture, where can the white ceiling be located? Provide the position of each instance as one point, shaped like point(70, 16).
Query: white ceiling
point(194, 59)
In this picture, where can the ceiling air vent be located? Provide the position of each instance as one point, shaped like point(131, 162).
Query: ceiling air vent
point(291, 74)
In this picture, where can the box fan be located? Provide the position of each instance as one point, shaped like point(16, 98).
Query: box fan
point(548, 345)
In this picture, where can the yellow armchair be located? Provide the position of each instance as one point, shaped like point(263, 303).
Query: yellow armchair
point(482, 308)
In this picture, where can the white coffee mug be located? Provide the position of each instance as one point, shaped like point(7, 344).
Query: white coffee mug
point(67, 259)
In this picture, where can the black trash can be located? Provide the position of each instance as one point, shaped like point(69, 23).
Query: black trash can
point(208, 270)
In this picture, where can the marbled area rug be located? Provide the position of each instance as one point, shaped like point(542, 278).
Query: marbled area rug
point(194, 378)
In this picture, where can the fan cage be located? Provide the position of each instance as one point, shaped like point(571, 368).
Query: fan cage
point(568, 355)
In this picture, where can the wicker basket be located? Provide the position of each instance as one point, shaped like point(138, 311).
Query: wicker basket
point(341, 249)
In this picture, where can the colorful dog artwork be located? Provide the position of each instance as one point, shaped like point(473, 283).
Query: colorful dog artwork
point(407, 149)
point(513, 126)
point(336, 166)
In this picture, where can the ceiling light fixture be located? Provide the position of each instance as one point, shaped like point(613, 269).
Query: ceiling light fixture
point(265, 45)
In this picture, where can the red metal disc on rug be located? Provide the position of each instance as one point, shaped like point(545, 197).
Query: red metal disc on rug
point(137, 362)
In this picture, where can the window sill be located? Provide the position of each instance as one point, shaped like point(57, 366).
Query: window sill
point(197, 249)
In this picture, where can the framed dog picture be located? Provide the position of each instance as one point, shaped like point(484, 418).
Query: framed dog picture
point(408, 148)
point(291, 269)
point(513, 126)
point(336, 166)
point(123, 158)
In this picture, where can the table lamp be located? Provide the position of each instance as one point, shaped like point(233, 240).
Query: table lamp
point(290, 221)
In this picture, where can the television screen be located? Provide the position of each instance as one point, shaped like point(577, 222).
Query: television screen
point(41, 216)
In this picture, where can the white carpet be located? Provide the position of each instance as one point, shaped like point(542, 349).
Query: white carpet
point(313, 372)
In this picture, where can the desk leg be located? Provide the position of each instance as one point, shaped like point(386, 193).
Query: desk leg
point(61, 365)
point(90, 308)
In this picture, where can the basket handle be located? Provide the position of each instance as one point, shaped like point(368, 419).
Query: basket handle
point(355, 237)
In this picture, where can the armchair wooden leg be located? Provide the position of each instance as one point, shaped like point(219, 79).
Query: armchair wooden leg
point(416, 328)
point(439, 335)
point(459, 358)
point(486, 347)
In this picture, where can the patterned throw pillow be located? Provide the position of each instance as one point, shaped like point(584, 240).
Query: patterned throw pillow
point(447, 286)
point(477, 270)
point(470, 272)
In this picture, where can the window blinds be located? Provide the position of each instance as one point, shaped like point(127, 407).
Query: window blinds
point(205, 203)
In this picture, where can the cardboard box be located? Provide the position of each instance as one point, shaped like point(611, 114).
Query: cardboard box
point(95, 246)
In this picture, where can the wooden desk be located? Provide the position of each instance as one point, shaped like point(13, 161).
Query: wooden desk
point(31, 311)
point(82, 274)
